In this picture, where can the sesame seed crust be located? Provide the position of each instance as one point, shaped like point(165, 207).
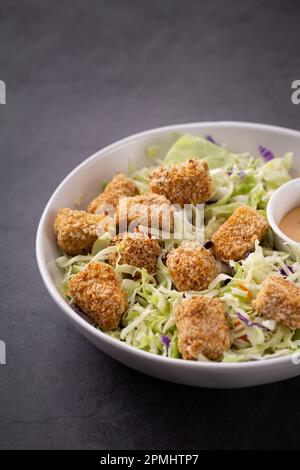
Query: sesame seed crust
point(136, 249)
point(202, 328)
point(237, 236)
point(119, 186)
point(76, 231)
point(185, 183)
point(191, 267)
point(97, 291)
point(144, 209)
point(279, 300)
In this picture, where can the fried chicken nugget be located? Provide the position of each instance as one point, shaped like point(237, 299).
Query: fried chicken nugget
point(185, 183)
point(202, 328)
point(237, 236)
point(136, 249)
point(119, 186)
point(149, 210)
point(76, 231)
point(192, 267)
point(97, 291)
point(279, 300)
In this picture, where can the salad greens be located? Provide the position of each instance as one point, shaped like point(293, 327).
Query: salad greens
point(238, 179)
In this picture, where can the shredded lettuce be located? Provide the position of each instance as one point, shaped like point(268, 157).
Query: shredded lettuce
point(151, 313)
point(276, 172)
point(188, 146)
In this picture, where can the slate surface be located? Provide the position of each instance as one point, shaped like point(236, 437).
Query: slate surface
point(79, 76)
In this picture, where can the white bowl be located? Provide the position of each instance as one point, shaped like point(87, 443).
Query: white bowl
point(283, 200)
point(85, 179)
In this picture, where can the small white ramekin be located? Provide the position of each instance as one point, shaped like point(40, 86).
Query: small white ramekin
point(283, 200)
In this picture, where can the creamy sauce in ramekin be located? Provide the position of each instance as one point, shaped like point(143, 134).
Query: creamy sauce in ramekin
point(290, 224)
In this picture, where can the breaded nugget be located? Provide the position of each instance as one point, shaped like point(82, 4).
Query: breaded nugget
point(185, 183)
point(192, 267)
point(119, 186)
point(76, 231)
point(97, 291)
point(136, 249)
point(236, 237)
point(202, 328)
point(147, 209)
point(279, 300)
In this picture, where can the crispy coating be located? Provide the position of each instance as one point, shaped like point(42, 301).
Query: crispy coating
point(147, 209)
point(192, 267)
point(119, 186)
point(136, 249)
point(97, 291)
point(236, 237)
point(76, 231)
point(202, 328)
point(279, 300)
point(185, 183)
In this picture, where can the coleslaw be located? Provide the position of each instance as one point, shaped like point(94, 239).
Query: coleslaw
point(238, 179)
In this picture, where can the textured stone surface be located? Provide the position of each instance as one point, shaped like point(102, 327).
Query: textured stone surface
point(79, 76)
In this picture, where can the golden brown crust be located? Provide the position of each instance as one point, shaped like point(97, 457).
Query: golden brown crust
point(237, 236)
point(192, 267)
point(185, 183)
point(97, 291)
point(119, 186)
point(136, 249)
point(202, 328)
point(76, 231)
point(279, 300)
point(146, 209)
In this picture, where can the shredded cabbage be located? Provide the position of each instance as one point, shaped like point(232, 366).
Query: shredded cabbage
point(149, 322)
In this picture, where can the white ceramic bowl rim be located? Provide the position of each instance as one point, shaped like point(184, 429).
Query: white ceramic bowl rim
point(271, 207)
point(104, 337)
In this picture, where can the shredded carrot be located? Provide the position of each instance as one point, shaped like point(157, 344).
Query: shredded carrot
point(245, 289)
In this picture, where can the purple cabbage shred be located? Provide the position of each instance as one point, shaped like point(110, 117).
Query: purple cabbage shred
point(208, 244)
point(164, 258)
point(166, 341)
point(211, 139)
point(231, 270)
point(283, 272)
point(210, 202)
point(267, 154)
point(251, 323)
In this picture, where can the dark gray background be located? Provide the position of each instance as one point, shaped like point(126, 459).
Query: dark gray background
point(80, 75)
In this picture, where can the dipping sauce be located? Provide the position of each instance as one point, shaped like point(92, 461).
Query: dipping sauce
point(290, 224)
